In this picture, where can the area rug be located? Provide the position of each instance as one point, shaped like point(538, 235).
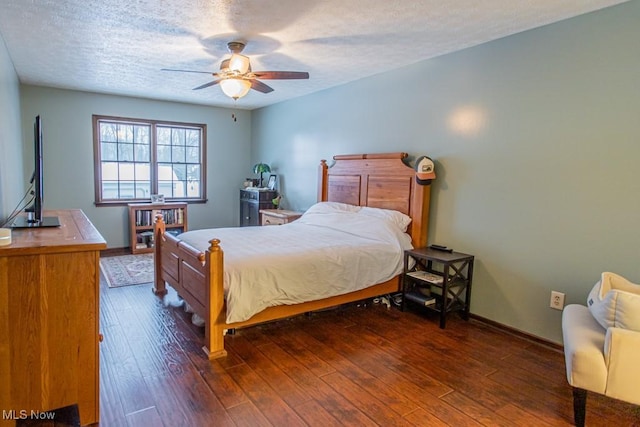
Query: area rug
point(127, 270)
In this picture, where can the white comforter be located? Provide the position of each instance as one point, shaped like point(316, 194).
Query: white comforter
point(317, 256)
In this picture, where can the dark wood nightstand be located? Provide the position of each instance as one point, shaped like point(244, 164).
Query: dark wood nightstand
point(438, 280)
point(251, 201)
point(278, 216)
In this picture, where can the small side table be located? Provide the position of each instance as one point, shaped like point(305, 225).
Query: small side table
point(438, 280)
point(278, 216)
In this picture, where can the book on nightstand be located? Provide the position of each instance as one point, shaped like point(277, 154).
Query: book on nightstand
point(420, 298)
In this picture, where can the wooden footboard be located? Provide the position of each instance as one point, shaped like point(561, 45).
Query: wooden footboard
point(368, 180)
point(198, 278)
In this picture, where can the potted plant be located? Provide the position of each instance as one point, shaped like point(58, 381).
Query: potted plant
point(261, 168)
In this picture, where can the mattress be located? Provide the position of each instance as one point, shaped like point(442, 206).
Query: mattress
point(325, 253)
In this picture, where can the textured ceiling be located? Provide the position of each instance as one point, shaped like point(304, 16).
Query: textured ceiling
point(120, 46)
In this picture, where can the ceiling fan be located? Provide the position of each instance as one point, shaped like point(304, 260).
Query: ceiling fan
point(236, 77)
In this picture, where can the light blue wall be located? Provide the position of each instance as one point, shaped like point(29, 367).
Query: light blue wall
point(11, 183)
point(536, 142)
point(68, 154)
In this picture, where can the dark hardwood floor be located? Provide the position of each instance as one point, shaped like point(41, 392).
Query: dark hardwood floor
point(356, 365)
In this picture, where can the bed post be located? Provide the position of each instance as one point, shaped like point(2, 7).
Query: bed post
point(323, 184)
point(214, 326)
point(159, 287)
point(420, 214)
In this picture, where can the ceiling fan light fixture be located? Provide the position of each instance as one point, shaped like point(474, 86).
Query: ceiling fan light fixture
point(239, 63)
point(235, 88)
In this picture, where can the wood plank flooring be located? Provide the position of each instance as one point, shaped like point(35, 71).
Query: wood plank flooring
point(356, 365)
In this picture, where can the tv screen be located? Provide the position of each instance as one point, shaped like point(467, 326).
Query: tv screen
point(34, 216)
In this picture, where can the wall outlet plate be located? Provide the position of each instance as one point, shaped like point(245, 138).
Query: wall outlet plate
point(557, 300)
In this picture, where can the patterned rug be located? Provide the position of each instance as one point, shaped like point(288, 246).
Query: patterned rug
point(127, 270)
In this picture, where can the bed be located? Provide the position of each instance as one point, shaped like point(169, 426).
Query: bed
point(194, 263)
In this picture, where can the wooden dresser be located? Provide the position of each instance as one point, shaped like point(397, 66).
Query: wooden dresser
point(49, 301)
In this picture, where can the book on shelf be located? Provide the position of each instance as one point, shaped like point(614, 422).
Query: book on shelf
point(146, 218)
point(420, 298)
point(427, 277)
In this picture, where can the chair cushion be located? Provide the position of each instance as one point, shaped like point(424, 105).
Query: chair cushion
point(615, 301)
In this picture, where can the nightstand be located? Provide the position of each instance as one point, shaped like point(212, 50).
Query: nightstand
point(438, 281)
point(251, 201)
point(278, 216)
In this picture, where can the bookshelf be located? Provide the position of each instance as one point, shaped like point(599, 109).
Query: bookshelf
point(142, 217)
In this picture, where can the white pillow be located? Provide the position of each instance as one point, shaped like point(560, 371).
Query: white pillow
point(332, 207)
point(615, 301)
point(396, 218)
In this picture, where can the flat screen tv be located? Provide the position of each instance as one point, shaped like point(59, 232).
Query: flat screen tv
point(34, 217)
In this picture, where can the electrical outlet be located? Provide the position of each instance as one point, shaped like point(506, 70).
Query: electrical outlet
point(557, 300)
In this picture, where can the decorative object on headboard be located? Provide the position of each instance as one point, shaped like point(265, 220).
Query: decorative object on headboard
point(425, 170)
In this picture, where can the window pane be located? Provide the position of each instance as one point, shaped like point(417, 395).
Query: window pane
point(109, 171)
point(193, 172)
point(108, 132)
point(142, 135)
point(179, 188)
point(177, 154)
point(178, 136)
point(109, 151)
point(127, 190)
point(142, 172)
point(125, 171)
point(125, 133)
point(141, 153)
point(164, 135)
point(193, 155)
point(193, 188)
point(164, 153)
point(193, 138)
point(125, 152)
point(109, 189)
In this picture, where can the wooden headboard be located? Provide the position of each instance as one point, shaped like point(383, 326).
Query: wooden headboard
point(380, 181)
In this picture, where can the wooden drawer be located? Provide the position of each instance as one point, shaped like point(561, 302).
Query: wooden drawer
point(272, 220)
point(277, 216)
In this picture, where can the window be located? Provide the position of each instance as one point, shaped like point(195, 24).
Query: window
point(137, 158)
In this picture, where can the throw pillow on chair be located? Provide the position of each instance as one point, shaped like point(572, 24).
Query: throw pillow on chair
point(615, 301)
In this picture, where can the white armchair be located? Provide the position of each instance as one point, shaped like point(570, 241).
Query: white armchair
point(604, 361)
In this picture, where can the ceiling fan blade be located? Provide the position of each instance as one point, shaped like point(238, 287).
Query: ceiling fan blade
point(281, 75)
point(187, 71)
point(260, 87)
point(215, 82)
